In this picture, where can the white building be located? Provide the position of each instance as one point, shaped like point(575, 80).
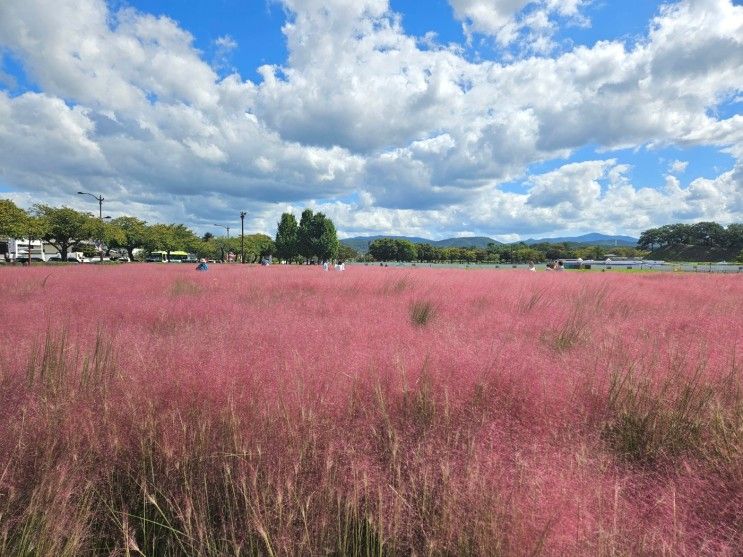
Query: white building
point(17, 249)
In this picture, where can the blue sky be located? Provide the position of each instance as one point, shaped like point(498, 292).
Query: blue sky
point(506, 118)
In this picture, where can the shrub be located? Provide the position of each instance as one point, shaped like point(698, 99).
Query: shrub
point(421, 312)
point(650, 422)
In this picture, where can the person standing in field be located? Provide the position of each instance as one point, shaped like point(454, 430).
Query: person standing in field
point(202, 266)
point(560, 266)
point(532, 268)
point(550, 267)
point(325, 265)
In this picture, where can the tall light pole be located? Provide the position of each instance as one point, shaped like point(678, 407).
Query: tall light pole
point(99, 199)
point(227, 228)
point(242, 237)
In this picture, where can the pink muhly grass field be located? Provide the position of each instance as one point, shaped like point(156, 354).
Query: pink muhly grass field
point(154, 410)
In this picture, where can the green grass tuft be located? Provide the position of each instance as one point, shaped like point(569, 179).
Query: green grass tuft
point(422, 312)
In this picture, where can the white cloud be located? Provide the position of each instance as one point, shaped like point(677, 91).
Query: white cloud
point(226, 42)
point(575, 186)
point(42, 136)
point(678, 167)
point(577, 197)
point(509, 21)
point(423, 135)
point(224, 47)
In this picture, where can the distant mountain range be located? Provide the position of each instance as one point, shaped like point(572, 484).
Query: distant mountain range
point(593, 238)
point(361, 243)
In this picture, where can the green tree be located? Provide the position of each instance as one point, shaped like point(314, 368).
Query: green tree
point(649, 239)
point(325, 237)
point(113, 236)
point(132, 233)
point(467, 255)
point(675, 234)
point(526, 254)
point(170, 237)
point(316, 236)
point(597, 253)
point(287, 246)
point(346, 253)
point(258, 246)
point(734, 235)
point(17, 223)
point(305, 245)
point(392, 249)
point(426, 252)
point(208, 249)
point(65, 228)
point(383, 249)
point(627, 251)
point(186, 239)
point(406, 250)
point(450, 254)
point(14, 221)
point(708, 234)
point(161, 237)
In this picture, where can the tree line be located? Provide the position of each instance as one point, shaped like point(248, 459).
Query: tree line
point(69, 230)
point(389, 249)
point(706, 234)
point(314, 237)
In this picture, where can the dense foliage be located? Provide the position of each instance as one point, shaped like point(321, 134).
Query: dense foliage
point(70, 230)
point(14, 221)
point(287, 247)
point(314, 238)
point(708, 234)
point(392, 249)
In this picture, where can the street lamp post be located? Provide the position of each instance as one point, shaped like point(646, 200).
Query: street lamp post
point(99, 199)
point(227, 228)
point(242, 237)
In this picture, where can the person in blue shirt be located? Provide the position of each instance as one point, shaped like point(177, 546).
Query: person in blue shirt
point(202, 266)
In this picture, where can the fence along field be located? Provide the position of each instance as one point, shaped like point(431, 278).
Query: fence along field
point(287, 411)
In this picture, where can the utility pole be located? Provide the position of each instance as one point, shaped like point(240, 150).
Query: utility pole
point(242, 237)
point(100, 200)
point(227, 228)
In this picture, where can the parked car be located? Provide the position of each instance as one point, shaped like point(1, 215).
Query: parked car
point(72, 257)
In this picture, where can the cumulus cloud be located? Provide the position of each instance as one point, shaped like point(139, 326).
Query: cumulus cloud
point(678, 167)
point(423, 136)
point(509, 21)
point(575, 198)
point(224, 47)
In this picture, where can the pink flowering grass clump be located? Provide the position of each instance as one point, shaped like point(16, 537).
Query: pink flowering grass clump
point(153, 410)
